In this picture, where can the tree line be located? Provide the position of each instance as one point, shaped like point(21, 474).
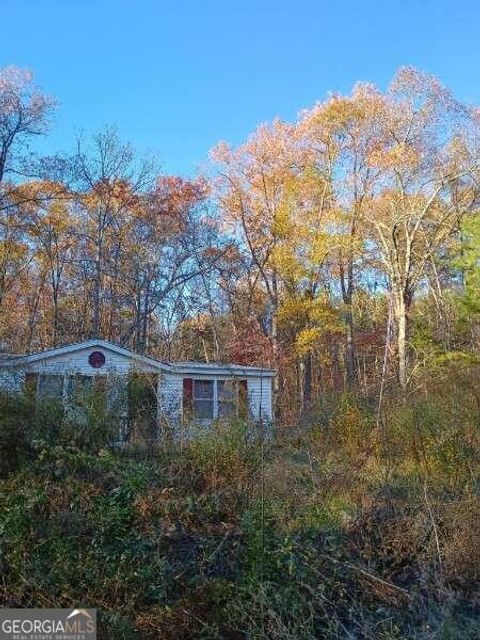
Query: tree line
point(341, 248)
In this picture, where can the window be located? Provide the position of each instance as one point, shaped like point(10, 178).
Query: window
point(203, 399)
point(211, 399)
point(227, 396)
point(96, 359)
point(82, 388)
point(50, 386)
point(79, 390)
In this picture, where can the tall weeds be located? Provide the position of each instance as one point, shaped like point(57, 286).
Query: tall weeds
point(338, 529)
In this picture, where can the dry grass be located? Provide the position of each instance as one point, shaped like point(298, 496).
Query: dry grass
point(336, 530)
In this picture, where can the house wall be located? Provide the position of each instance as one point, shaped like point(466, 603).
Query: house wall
point(77, 362)
point(11, 381)
point(171, 394)
point(260, 397)
point(170, 385)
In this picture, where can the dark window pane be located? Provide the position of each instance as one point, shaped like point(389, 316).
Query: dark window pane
point(203, 409)
point(227, 398)
point(203, 389)
point(79, 389)
point(227, 390)
point(227, 409)
point(51, 386)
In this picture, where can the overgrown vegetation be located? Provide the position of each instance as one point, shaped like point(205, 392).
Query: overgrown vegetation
point(353, 525)
point(28, 426)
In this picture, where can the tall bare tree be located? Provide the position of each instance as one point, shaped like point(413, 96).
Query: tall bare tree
point(111, 181)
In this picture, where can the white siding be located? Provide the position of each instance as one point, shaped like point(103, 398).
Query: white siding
point(77, 362)
point(170, 383)
point(259, 394)
point(260, 397)
point(11, 381)
point(170, 395)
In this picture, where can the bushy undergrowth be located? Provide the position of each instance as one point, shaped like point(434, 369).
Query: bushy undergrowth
point(352, 527)
point(28, 425)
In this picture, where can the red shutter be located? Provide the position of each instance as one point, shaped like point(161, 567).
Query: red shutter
point(187, 399)
point(243, 399)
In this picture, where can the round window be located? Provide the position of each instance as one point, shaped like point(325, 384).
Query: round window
point(96, 359)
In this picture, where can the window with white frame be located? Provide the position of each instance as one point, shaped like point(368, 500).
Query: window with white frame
point(203, 399)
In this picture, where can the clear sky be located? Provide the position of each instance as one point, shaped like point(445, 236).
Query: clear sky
point(176, 77)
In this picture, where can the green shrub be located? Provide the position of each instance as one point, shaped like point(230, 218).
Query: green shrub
point(24, 426)
point(437, 439)
point(225, 454)
point(92, 426)
point(29, 425)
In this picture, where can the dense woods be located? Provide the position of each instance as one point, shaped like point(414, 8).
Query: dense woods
point(341, 249)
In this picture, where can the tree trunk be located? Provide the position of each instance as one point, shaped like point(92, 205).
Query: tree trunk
point(143, 341)
point(336, 377)
point(276, 380)
point(97, 287)
point(138, 319)
point(350, 367)
point(347, 285)
point(401, 313)
point(307, 382)
point(34, 313)
point(55, 316)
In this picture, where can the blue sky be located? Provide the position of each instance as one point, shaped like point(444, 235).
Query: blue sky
point(176, 77)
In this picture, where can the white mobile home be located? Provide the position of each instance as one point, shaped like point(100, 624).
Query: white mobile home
point(184, 392)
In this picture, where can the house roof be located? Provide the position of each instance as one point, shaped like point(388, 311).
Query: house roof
point(192, 368)
point(7, 357)
point(181, 368)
